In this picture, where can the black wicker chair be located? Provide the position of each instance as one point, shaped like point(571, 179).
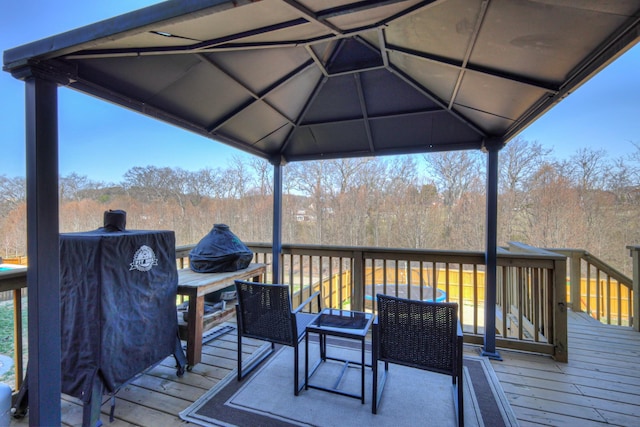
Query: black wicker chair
point(419, 334)
point(264, 312)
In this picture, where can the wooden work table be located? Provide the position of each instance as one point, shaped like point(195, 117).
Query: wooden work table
point(196, 286)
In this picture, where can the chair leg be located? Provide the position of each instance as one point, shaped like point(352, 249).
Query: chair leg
point(460, 405)
point(458, 381)
point(378, 383)
point(374, 368)
point(296, 390)
point(460, 387)
point(254, 362)
point(374, 391)
point(239, 355)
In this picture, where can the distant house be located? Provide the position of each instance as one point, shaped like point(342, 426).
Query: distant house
point(302, 215)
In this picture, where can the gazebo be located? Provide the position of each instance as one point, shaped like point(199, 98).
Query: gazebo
point(293, 80)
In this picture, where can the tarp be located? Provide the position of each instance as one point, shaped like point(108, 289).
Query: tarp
point(220, 250)
point(118, 306)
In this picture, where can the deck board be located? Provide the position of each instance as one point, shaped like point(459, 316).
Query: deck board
point(600, 386)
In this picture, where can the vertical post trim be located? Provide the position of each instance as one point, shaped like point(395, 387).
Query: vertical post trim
point(43, 250)
point(276, 250)
point(491, 255)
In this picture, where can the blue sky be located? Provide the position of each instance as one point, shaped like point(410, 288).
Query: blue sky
point(103, 142)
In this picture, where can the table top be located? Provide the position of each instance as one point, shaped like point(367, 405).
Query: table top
point(190, 280)
point(342, 322)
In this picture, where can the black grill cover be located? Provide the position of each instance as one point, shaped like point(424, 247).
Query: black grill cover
point(219, 251)
point(118, 306)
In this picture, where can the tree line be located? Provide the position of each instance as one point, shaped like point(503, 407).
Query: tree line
point(436, 201)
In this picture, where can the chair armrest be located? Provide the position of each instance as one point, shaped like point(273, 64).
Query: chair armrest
point(460, 335)
point(307, 301)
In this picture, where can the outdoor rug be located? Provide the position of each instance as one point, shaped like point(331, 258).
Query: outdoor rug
point(410, 397)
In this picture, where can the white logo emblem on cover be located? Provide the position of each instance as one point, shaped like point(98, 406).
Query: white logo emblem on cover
point(144, 259)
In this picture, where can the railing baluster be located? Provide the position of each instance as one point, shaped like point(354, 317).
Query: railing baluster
point(619, 302)
point(598, 292)
point(535, 302)
point(608, 300)
point(384, 276)
point(501, 298)
point(446, 278)
point(588, 285)
point(521, 288)
point(17, 334)
point(396, 270)
point(434, 273)
point(461, 290)
point(340, 283)
point(331, 293)
point(476, 312)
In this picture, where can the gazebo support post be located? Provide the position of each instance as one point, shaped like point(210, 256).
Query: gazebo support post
point(43, 251)
point(492, 146)
point(277, 222)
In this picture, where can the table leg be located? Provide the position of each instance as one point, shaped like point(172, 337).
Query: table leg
point(362, 371)
point(194, 330)
point(306, 361)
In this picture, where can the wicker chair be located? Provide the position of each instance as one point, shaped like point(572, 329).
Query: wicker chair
point(264, 312)
point(418, 334)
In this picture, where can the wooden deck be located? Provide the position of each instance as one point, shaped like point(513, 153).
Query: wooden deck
point(599, 386)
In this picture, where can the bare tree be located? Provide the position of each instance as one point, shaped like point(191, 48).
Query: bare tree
point(588, 169)
point(454, 173)
point(148, 183)
point(312, 180)
point(343, 173)
point(622, 180)
point(262, 176)
point(555, 216)
point(13, 192)
point(519, 161)
point(236, 178)
point(13, 229)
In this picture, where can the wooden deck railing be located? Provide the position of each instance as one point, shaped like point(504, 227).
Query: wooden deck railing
point(531, 298)
point(532, 291)
point(599, 289)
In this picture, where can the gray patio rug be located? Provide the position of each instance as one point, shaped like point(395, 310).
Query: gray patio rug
point(410, 397)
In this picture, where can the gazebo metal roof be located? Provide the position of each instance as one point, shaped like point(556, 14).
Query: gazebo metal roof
point(304, 79)
point(294, 80)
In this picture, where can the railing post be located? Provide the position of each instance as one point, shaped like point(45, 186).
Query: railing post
point(635, 257)
point(560, 330)
point(358, 281)
point(575, 280)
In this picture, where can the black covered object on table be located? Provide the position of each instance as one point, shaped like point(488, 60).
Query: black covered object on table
point(220, 251)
